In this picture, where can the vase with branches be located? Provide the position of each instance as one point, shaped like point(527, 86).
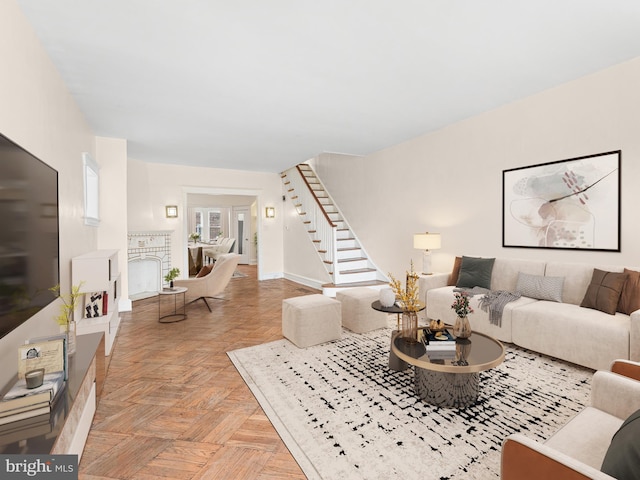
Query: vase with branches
point(408, 301)
point(68, 307)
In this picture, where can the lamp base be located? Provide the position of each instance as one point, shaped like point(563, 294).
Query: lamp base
point(426, 263)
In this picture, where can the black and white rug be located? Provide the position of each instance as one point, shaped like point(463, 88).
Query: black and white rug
point(343, 414)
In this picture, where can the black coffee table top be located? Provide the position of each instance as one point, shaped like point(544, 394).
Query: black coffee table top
point(478, 352)
point(393, 308)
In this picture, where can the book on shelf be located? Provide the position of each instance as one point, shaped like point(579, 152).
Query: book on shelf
point(34, 412)
point(24, 429)
point(20, 397)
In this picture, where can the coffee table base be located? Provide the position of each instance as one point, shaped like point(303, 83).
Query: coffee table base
point(456, 390)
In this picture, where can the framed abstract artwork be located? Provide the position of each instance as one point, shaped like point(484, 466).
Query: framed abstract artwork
point(568, 204)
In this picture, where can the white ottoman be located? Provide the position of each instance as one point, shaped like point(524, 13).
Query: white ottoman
point(311, 320)
point(357, 314)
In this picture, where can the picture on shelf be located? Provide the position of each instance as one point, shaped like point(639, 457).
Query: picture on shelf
point(95, 304)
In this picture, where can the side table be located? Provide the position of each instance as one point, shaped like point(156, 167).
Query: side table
point(395, 363)
point(175, 315)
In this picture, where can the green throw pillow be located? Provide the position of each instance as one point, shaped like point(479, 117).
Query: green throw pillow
point(475, 272)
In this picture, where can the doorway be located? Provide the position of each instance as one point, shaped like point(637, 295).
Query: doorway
point(241, 228)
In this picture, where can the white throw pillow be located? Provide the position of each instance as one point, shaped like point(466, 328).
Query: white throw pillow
point(540, 287)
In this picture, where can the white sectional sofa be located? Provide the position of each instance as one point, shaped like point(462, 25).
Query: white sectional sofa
point(564, 330)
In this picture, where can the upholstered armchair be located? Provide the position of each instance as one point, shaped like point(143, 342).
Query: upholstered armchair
point(214, 251)
point(211, 284)
point(599, 433)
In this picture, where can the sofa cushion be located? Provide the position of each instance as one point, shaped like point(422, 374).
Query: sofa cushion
point(455, 272)
point(540, 287)
point(604, 291)
point(475, 272)
point(630, 297)
point(581, 441)
point(623, 456)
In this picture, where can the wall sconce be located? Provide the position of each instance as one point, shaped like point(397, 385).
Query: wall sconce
point(270, 212)
point(172, 211)
point(426, 241)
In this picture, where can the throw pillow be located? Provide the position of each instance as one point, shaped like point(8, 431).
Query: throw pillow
point(205, 270)
point(475, 272)
point(623, 456)
point(540, 287)
point(630, 296)
point(604, 291)
point(455, 272)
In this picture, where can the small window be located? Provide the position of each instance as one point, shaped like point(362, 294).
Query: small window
point(91, 191)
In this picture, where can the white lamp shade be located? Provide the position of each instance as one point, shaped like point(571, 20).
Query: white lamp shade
point(426, 241)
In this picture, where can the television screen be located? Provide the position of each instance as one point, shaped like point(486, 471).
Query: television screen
point(29, 248)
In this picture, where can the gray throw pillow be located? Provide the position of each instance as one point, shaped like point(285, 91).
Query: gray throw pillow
point(540, 287)
point(475, 272)
point(623, 456)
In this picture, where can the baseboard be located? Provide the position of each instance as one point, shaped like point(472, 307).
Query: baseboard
point(309, 282)
point(125, 305)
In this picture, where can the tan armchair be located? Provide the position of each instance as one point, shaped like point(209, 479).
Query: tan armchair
point(578, 449)
point(212, 284)
point(213, 252)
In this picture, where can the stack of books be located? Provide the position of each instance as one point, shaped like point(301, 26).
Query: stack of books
point(439, 345)
point(22, 403)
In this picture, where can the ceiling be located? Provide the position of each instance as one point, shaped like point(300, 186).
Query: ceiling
point(265, 84)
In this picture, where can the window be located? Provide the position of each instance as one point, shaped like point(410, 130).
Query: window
point(215, 224)
point(91, 191)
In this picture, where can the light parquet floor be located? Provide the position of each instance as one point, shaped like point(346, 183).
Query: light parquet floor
point(174, 406)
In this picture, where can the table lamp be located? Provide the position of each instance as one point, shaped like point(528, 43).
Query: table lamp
point(427, 242)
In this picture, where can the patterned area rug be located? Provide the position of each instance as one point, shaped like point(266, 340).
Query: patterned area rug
point(343, 414)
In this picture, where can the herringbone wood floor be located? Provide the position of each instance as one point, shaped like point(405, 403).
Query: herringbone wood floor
point(174, 406)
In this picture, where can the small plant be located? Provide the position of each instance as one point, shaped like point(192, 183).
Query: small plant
point(172, 274)
point(195, 236)
point(461, 304)
point(69, 303)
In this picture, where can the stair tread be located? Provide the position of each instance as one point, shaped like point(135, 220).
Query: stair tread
point(353, 259)
point(357, 270)
point(373, 283)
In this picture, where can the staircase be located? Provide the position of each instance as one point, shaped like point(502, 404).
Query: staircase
point(337, 246)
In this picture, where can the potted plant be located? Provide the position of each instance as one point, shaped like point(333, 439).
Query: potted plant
point(194, 237)
point(171, 275)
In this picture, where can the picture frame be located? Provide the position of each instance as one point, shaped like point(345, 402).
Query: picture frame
point(571, 204)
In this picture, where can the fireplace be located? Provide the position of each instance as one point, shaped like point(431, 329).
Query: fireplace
point(149, 260)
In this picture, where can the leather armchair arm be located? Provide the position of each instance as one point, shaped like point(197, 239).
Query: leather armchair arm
point(526, 459)
point(627, 368)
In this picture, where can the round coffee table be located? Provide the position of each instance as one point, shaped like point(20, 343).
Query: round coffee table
point(450, 379)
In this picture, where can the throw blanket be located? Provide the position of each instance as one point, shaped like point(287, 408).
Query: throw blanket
point(493, 301)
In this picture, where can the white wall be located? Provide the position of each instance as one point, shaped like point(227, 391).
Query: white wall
point(152, 186)
point(450, 181)
point(111, 155)
point(39, 114)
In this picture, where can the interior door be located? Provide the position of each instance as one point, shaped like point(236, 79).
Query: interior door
point(242, 232)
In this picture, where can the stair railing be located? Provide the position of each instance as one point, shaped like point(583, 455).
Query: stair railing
point(326, 232)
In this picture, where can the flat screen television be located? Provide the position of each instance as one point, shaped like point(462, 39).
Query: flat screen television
point(29, 235)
